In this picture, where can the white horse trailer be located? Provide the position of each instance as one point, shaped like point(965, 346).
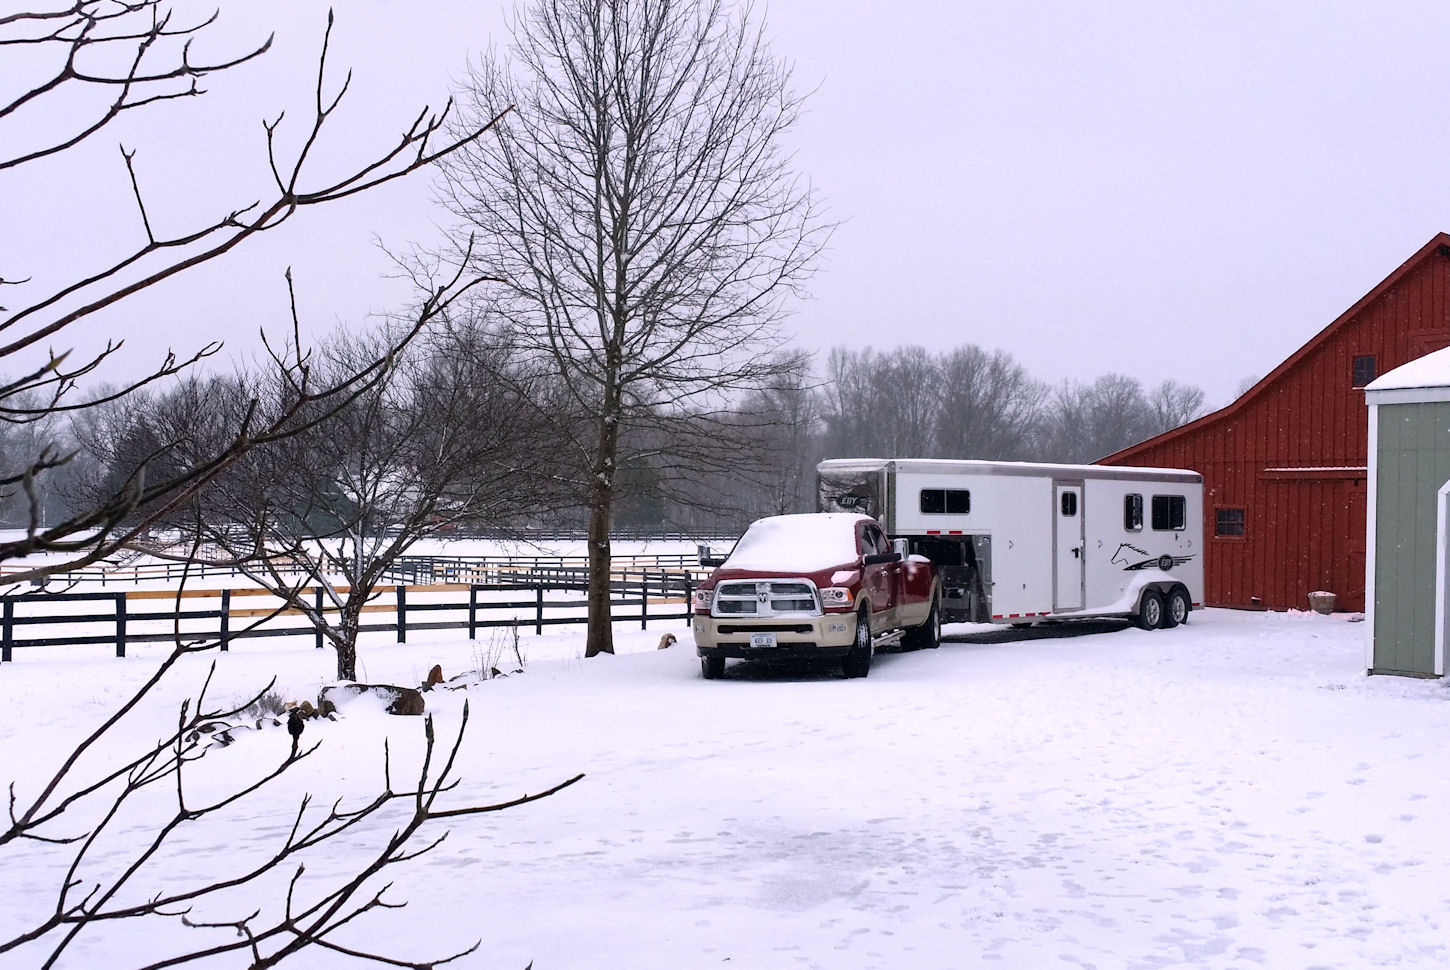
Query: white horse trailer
point(1021, 542)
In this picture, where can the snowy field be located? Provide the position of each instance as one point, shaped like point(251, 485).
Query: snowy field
point(1233, 793)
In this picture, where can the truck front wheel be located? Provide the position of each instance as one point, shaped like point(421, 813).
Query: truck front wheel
point(712, 668)
point(857, 663)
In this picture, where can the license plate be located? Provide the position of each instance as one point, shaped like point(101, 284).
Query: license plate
point(762, 639)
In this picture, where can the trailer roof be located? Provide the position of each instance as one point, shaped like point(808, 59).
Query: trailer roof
point(957, 466)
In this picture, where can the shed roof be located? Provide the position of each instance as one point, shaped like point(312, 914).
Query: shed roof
point(1431, 370)
point(1424, 379)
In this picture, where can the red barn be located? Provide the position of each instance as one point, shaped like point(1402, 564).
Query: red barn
point(1284, 466)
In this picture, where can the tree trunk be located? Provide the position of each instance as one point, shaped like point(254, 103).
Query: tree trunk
point(601, 515)
point(346, 660)
point(346, 647)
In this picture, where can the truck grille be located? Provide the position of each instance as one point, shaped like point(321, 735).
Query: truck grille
point(766, 598)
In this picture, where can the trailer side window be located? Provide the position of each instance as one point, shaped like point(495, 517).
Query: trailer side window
point(1133, 512)
point(1170, 513)
point(948, 501)
point(1069, 503)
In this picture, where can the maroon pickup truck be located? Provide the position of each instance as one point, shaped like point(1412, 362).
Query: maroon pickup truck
point(826, 584)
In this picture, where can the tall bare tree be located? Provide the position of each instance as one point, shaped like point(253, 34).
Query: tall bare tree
point(640, 203)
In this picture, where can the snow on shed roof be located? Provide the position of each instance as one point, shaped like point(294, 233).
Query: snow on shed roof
point(1431, 370)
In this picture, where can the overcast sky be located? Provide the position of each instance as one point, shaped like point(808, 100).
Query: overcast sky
point(1167, 190)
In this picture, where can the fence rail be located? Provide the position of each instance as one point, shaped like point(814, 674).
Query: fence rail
point(407, 570)
point(658, 596)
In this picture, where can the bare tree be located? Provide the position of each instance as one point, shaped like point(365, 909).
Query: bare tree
point(118, 58)
point(853, 409)
point(990, 407)
point(1174, 405)
point(641, 207)
point(882, 403)
point(787, 417)
point(449, 435)
point(1089, 421)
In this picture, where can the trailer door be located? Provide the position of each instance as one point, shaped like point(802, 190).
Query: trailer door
point(1067, 548)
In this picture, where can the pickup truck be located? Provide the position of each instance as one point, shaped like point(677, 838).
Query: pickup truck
point(823, 585)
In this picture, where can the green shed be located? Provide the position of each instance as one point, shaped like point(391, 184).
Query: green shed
point(1408, 562)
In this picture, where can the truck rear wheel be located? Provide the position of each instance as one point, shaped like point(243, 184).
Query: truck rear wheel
point(857, 663)
point(928, 635)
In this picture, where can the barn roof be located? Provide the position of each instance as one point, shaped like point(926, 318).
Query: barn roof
point(1440, 245)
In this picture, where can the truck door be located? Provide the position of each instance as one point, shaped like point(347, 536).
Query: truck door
point(1068, 551)
point(882, 580)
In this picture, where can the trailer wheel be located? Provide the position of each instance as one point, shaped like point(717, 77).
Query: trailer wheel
point(712, 668)
point(857, 663)
point(1177, 609)
point(928, 635)
point(1150, 610)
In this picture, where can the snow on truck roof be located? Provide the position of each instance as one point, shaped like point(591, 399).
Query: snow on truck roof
point(806, 542)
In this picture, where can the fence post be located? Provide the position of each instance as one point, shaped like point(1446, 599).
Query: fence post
point(7, 632)
point(120, 624)
point(226, 617)
point(318, 600)
point(538, 611)
point(473, 611)
point(402, 613)
point(689, 599)
point(643, 600)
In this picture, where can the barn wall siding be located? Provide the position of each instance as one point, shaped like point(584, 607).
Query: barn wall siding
point(1292, 451)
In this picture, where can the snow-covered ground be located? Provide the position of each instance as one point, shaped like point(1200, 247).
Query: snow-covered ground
point(1233, 793)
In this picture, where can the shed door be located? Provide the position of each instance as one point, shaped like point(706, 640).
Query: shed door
point(1067, 548)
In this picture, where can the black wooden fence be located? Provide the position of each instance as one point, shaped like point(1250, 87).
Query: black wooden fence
point(644, 596)
point(407, 570)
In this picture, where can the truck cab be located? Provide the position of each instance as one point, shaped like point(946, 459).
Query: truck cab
point(819, 585)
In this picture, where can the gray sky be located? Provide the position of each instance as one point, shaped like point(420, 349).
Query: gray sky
point(1168, 190)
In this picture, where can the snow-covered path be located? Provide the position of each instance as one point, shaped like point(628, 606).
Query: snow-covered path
point(1234, 793)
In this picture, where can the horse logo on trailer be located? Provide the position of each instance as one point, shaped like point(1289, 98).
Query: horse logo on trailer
point(1164, 562)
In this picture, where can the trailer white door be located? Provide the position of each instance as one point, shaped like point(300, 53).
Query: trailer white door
point(1067, 548)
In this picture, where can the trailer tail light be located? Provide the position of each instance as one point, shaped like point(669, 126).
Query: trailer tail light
point(704, 599)
point(836, 598)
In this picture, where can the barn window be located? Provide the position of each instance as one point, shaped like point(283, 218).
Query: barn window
point(948, 501)
point(1133, 512)
point(1170, 513)
point(1363, 370)
point(1228, 522)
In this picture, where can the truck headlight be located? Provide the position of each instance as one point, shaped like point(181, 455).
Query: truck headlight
point(836, 598)
point(704, 599)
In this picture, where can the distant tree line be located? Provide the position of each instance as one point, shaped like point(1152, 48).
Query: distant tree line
point(466, 433)
point(908, 402)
